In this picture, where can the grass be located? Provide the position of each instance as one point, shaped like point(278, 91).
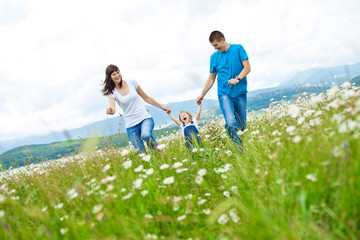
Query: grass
point(298, 178)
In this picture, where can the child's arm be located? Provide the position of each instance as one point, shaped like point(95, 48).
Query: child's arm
point(197, 115)
point(174, 119)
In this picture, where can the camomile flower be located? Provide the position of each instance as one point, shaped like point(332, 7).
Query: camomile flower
point(223, 219)
point(149, 171)
point(164, 166)
point(139, 168)
point(127, 164)
point(202, 201)
point(138, 182)
point(99, 216)
point(199, 179)
point(144, 193)
point(207, 211)
point(97, 208)
point(59, 206)
point(63, 230)
point(168, 180)
point(311, 177)
point(146, 158)
point(201, 172)
point(107, 167)
point(226, 194)
point(177, 165)
point(181, 218)
point(127, 196)
point(149, 216)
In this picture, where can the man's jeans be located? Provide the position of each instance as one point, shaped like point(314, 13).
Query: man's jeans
point(142, 131)
point(234, 111)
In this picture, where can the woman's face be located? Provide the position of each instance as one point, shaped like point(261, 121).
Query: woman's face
point(184, 117)
point(116, 77)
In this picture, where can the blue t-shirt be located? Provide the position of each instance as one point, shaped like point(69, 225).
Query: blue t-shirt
point(228, 65)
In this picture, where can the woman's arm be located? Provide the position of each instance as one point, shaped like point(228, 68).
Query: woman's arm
point(150, 100)
point(174, 119)
point(197, 115)
point(111, 110)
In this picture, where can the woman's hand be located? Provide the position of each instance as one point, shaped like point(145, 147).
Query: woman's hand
point(110, 111)
point(166, 109)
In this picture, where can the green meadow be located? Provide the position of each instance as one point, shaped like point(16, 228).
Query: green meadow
point(297, 178)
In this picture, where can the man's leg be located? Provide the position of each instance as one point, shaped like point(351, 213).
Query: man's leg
point(240, 105)
point(228, 110)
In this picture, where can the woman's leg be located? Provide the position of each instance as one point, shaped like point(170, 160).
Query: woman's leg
point(147, 127)
point(134, 134)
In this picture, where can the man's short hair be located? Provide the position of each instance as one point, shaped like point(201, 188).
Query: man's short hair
point(216, 35)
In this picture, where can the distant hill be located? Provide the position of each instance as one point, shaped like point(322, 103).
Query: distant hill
point(324, 76)
point(105, 127)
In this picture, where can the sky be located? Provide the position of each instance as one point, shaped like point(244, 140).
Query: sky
point(53, 54)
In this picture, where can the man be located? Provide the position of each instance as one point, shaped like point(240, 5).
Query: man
point(230, 64)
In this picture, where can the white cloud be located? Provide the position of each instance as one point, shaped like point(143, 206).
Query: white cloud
point(53, 54)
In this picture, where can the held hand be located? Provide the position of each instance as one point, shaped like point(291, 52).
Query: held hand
point(199, 100)
point(233, 81)
point(167, 110)
point(109, 111)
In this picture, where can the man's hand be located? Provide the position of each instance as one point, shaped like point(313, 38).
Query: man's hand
point(199, 100)
point(233, 81)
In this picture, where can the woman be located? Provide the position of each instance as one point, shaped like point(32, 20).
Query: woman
point(138, 121)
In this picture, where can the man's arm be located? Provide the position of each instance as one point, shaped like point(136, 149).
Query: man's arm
point(208, 84)
point(242, 74)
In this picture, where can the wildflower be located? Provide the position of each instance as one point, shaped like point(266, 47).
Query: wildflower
point(189, 196)
point(64, 230)
point(151, 236)
point(257, 171)
point(149, 216)
point(207, 194)
point(2, 213)
point(127, 164)
point(337, 152)
point(294, 111)
point(138, 182)
point(97, 208)
point(146, 158)
point(60, 205)
point(311, 177)
point(291, 130)
point(177, 165)
point(144, 193)
point(185, 160)
point(346, 85)
point(149, 171)
point(108, 179)
point(202, 201)
point(207, 211)
point(296, 139)
point(234, 188)
point(161, 146)
point(199, 179)
point(226, 194)
point(176, 207)
point(139, 168)
point(228, 152)
point(280, 181)
point(72, 193)
point(110, 187)
point(300, 120)
point(127, 196)
point(99, 216)
point(44, 209)
point(107, 167)
point(180, 218)
point(223, 219)
point(125, 152)
point(168, 180)
point(2, 198)
point(221, 188)
point(202, 172)
point(164, 166)
point(308, 84)
point(194, 150)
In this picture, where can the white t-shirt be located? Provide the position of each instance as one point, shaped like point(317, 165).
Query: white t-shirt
point(195, 123)
point(131, 104)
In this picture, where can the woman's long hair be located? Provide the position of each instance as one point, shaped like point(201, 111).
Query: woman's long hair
point(109, 85)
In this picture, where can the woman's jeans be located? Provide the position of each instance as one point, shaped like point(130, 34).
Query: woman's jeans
point(142, 131)
point(234, 111)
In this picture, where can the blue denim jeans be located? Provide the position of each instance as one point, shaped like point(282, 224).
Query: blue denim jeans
point(142, 131)
point(234, 111)
point(191, 133)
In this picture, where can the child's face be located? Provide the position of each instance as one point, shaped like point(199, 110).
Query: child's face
point(184, 117)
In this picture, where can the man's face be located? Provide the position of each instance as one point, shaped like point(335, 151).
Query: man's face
point(219, 45)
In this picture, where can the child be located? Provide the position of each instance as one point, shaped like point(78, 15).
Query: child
point(189, 127)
